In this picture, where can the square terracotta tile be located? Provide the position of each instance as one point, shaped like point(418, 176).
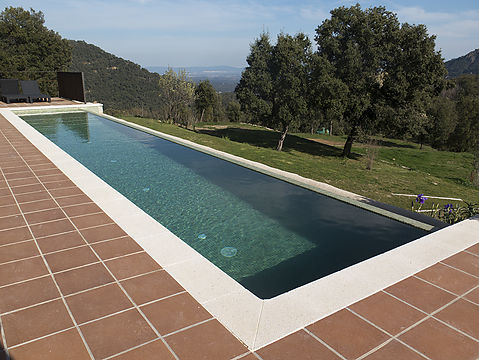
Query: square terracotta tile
point(87, 221)
point(97, 303)
point(44, 216)
point(439, 342)
point(117, 247)
point(473, 296)
point(53, 178)
point(46, 172)
point(18, 251)
point(105, 339)
point(14, 169)
point(420, 294)
point(25, 189)
point(348, 334)
point(38, 205)
point(60, 241)
point(83, 278)
point(27, 293)
point(52, 228)
point(132, 265)
point(62, 184)
point(40, 165)
point(474, 249)
point(9, 210)
point(35, 196)
point(152, 350)
point(465, 262)
point(59, 193)
point(34, 322)
point(388, 313)
point(5, 191)
point(103, 232)
point(82, 209)
point(448, 278)
point(463, 315)
point(73, 200)
point(10, 222)
point(19, 175)
point(23, 182)
point(7, 200)
point(22, 270)
point(175, 313)
point(14, 235)
point(299, 345)
point(68, 259)
point(65, 345)
point(394, 350)
point(149, 287)
point(206, 341)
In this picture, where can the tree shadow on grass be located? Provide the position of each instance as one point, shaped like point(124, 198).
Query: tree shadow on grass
point(269, 139)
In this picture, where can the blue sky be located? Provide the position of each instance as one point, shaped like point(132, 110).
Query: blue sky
point(219, 32)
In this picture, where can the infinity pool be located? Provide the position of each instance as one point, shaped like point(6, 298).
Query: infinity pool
point(269, 235)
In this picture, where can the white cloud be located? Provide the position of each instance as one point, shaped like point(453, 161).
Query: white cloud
point(456, 31)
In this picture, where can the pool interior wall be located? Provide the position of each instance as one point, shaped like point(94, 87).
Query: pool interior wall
point(269, 235)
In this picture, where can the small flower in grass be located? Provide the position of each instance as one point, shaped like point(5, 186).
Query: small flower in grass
point(448, 208)
point(421, 199)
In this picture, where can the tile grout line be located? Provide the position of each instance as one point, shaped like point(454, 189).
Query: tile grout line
point(190, 326)
point(18, 260)
point(433, 313)
point(239, 357)
point(455, 268)
point(43, 337)
point(324, 343)
point(450, 292)
point(15, 243)
point(50, 271)
point(131, 349)
point(392, 337)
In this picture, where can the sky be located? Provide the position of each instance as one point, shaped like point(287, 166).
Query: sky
point(183, 33)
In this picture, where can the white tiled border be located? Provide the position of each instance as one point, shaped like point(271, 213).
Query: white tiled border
point(254, 321)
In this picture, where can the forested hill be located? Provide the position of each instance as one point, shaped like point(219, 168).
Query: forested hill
point(117, 83)
point(467, 64)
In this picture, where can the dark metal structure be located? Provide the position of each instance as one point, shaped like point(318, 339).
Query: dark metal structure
point(71, 85)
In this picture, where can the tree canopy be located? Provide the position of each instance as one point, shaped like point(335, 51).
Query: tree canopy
point(390, 70)
point(29, 50)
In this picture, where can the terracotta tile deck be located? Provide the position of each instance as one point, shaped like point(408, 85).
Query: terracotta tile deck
point(74, 285)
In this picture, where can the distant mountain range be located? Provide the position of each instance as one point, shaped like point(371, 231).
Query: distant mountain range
point(223, 78)
point(467, 64)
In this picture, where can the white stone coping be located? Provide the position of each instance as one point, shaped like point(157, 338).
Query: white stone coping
point(254, 321)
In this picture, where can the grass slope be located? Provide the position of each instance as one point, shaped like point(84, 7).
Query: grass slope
point(400, 166)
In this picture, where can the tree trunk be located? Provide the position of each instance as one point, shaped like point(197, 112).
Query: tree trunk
point(281, 140)
point(331, 128)
point(349, 142)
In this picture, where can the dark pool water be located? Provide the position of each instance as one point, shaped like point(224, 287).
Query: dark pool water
point(269, 235)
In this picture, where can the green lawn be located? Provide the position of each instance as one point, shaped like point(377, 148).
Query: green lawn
point(399, 167)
